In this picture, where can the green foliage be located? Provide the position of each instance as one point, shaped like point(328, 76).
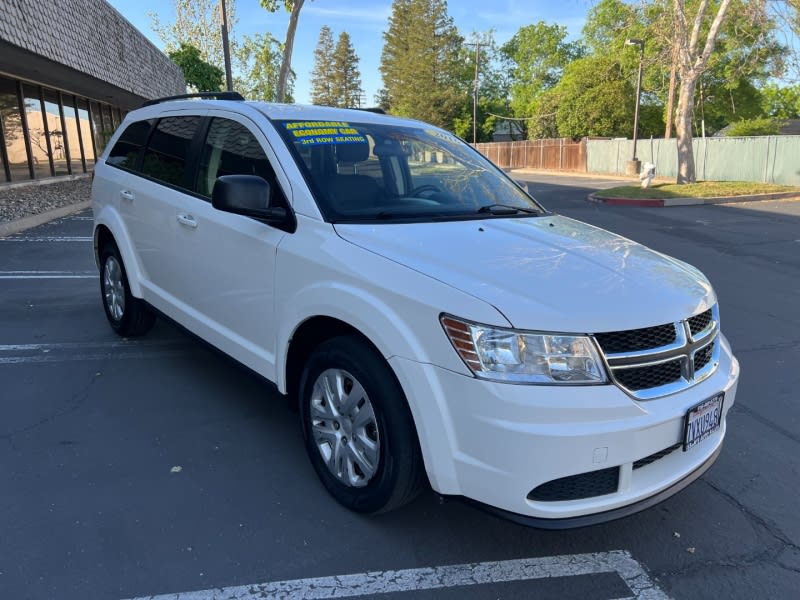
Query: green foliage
point(420, 62)
point(199, 74)
point(346, 76)
point(537, 55)
point(759, 126)
point(259, 59)
point(285, 75)
point(273, 5)
point(322, 75)
point(336, 80)
point(487, 108)
point(780, 102)
point(199, 23)
point(595, 99)
point(720, 102)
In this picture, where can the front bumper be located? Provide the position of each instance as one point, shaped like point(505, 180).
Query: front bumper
point(494, 443)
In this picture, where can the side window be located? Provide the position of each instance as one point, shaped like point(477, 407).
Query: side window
point(231, 149)
point(125, 152)
point(166, 154)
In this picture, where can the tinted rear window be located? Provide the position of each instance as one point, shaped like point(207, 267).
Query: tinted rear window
point(166, 154)
point(125, 152)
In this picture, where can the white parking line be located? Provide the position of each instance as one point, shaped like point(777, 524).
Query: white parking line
point(13, 354)
point(431, 578)
point(47, 238)
point(48, 275)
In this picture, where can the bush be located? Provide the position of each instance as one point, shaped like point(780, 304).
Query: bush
point(760, 126)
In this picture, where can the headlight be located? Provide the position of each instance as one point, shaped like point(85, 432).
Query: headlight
point(523, 357)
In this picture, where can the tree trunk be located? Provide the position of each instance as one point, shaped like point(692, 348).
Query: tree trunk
point(286, 63)
point(683, 127)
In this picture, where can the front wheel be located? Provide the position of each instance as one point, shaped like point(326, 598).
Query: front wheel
point(127, 315)
point(357, 427)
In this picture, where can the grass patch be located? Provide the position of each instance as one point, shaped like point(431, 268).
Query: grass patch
point(702, 189)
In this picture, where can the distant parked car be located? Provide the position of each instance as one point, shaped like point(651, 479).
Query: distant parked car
point(434, 322)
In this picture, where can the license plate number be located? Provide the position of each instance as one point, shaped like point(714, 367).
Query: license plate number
point(702, 420)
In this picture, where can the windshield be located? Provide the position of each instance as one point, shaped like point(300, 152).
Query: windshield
point(386, 172)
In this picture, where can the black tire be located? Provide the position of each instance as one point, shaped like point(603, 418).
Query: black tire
point(399, 476)
point(131, 317)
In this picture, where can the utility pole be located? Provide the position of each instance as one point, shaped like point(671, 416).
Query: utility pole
point(225, 46)
point(475, 90)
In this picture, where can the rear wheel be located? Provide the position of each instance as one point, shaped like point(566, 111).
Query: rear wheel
point(357, 427)
point(128, 316)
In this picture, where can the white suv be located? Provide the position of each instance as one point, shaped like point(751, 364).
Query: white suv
point(433, 321)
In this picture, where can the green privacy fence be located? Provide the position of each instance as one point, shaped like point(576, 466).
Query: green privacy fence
point(770, 159)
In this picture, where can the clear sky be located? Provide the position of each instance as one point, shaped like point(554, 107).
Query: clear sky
point(365, 21)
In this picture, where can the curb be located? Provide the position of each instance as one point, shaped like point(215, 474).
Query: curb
point(18, 225)
point(662, 202)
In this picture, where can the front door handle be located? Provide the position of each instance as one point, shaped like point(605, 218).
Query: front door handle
point(187, 221)
point(127, 195)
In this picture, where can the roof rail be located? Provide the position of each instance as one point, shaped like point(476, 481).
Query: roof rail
point(215, 95)
point(373, 109)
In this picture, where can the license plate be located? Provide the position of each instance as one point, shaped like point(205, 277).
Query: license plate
point(702, 420)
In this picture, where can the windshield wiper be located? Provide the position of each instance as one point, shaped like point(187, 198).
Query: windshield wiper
point(506, 209)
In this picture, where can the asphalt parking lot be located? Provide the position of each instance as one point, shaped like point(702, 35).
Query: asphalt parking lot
point(156, 467)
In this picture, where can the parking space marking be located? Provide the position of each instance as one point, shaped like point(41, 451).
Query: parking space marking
point(12, 354)
point(47, 238)
point(432, 578)
point(48, 275)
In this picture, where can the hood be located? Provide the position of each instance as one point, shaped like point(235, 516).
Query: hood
point(545, 273)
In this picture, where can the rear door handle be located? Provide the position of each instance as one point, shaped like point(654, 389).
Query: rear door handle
point(127, 195)
point(187, 221)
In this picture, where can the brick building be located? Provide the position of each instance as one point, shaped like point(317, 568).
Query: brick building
point(69, 71)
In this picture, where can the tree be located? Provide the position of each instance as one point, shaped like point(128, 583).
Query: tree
point(420, 61)
point(692, 61)
point(780, 102)
point(259, 59)
point(199, 23)
point(346, 76)
point(322, 76)
point(199, 74)
point(748, 127)
point(537, 55)
point(293, 7)
point(594, 99)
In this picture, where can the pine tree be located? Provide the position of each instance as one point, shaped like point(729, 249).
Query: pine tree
point(419, 62)
point(322, 77)
point(346, 76)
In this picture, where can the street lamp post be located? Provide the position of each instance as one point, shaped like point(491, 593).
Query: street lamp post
point(634, 165)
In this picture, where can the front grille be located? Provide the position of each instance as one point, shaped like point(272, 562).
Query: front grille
point(640, 378)
point(647, 460)
point(703, 357)
point(700, 322)
point(577, 487)
point(634, 340)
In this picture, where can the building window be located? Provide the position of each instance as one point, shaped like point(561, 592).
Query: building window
point(73, 139)
point(87, 132)
point(13, 155)
point(42, 137)
point(55, 131)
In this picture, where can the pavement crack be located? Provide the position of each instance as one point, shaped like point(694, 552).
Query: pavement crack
point(755, 519)
point(75, 402)
point(739, 407)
